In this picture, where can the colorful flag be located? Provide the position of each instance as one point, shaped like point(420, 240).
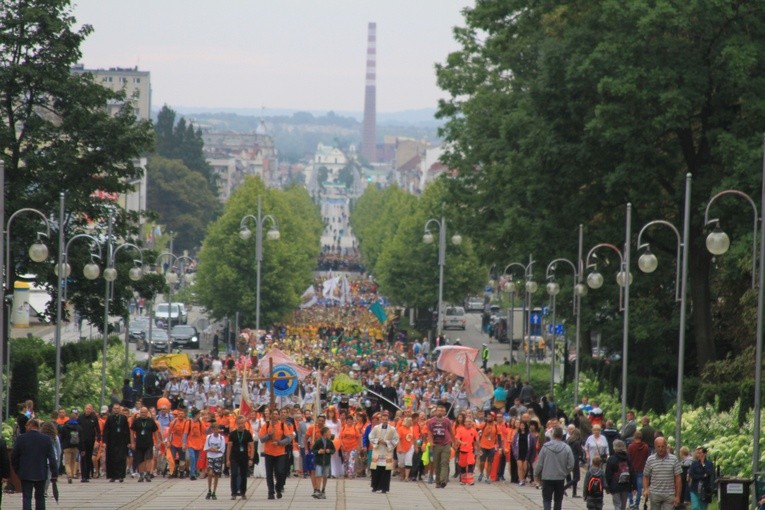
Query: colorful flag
point(281, 359)
point(460, 360)
point(346, 385)
point(379, 312)
point(453, 357)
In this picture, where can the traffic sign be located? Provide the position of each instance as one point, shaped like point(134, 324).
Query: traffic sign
point(559, 329)
point(545, 311)
point(536, 318)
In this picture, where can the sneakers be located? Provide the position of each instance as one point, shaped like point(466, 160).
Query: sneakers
point(214, 496)
point(480, 477)
point(322, 495)
point(140, 478)
point(488, 480)
point(209, 495)
point(316, 494)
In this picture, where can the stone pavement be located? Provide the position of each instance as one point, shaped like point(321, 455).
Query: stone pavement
point(164, 494)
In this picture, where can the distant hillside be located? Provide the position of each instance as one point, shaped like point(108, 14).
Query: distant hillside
point(296, 134)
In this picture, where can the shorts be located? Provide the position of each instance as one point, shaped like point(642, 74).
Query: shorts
point(141, 454)
point(215, 465)
point(323, 471)
point(405, 458)
point(308, 462)
point(487, 454)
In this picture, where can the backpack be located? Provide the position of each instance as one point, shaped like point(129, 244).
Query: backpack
point(595, 487)
point(622, 474)
point(74, 438)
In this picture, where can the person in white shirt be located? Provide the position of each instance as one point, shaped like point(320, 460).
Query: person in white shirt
point(215, 446)
point(595, 446)
point(217, 366)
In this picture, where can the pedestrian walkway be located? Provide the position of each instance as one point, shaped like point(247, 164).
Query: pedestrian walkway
point(164, 494)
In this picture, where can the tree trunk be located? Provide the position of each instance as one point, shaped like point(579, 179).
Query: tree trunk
point(699, 263)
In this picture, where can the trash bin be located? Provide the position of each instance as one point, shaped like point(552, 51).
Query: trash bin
point(733, 493)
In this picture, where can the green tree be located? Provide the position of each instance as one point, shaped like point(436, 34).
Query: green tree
point(561, 113)
point(407, 268)
point(376, 217)
point(181, 198)
point(182, 141)
point(57, 135)
point(226, 279)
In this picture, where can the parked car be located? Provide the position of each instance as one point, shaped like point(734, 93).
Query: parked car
point(474, 304)
point(454, 317)
point(186, 336)
point(160, 342)
point(138, 328)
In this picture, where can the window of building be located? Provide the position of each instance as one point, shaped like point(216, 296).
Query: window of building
point(136, 80)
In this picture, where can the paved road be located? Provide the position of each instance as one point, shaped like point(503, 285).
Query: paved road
point(164, 494)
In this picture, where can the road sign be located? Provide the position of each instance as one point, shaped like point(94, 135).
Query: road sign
point(536, 318)
point(559, 329)
point(545, 311)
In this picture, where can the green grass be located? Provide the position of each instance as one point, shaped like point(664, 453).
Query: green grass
point(540, 374)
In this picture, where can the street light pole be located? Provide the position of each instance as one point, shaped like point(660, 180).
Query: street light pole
point(580, 290)
point(427, 238)
point(648, 264)
point(273, 235)
point(552, 290)
point(718, 243)
point(61, 276)
point(595, 281)
point(63, 270)
point(530, 287)
point(38, 252)
point(106, 306)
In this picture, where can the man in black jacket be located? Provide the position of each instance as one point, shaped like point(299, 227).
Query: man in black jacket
point(32, 457)
point(91, 433)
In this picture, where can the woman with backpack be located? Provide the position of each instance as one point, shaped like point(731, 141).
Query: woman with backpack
point(620, 477)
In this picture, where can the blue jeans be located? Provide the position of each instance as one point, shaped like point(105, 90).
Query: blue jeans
point(193, 456)
point(696, 503)
point(639, 484)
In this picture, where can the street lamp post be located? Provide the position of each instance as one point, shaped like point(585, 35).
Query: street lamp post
point(511, 289)
point(38, 252)
point(648, 264)
point(90, 271)
point(531, 287)
point(172, 279)
point(623, 277)
point(427, 238)
point(110, 275)
point(718, 243)
point(552, 290)
point(272, 235)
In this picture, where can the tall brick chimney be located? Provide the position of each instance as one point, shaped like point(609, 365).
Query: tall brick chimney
point(369, 134)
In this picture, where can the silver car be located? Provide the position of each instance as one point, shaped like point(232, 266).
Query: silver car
point(454, 318)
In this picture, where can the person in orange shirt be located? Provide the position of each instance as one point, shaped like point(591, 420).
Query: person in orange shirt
point(405, 448)
point(466, 442)
point(489, 443)
point(276, 435)
point(179, 430)
point(61, 417)
point(195, 442)
point(350, 442)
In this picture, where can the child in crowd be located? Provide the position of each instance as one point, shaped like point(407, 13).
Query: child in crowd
point(215, 447)
point(594, 485)
point(323, 449)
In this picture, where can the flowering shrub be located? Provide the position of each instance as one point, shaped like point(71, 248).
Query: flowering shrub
point(730, 446)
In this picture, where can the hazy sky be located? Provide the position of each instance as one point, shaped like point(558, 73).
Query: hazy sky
point(302, 54)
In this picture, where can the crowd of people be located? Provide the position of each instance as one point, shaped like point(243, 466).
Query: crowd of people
point(411, 420)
